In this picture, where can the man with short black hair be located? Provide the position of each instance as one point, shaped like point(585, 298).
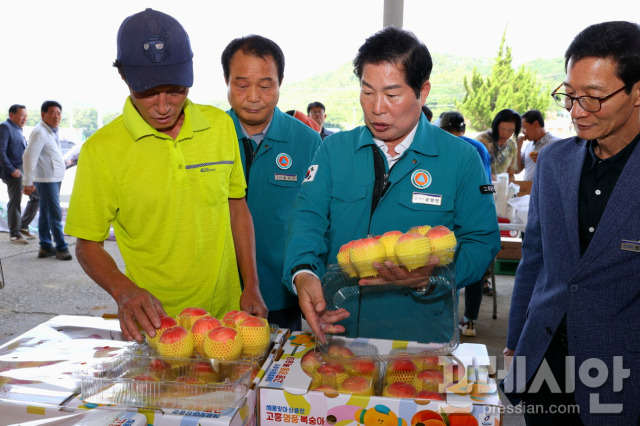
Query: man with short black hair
point(316, 112)
point(12, 146)
point(276, 150)
point(44, 170)
point(533, 130)
point(340, 202)
point(573, 319)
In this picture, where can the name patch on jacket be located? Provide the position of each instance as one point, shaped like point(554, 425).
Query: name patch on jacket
point(430, 199)
point(487, 189)
point(629, 245)
point(287, 178)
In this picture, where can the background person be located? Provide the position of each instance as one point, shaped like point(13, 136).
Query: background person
point(576, 291)
point(316, 112)
point(453, 122)
point(44, 170)
point(276, 150)
point(12, 146)
point(500, 144)
point(533, 130)
point(336, 203)
point(167, 175)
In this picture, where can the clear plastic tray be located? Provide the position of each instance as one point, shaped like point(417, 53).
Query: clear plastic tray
point(415, 376)
point(422, 312)
point(166, 383)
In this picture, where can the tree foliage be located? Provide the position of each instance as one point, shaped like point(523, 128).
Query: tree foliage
point(87, 119)
point(519, 90)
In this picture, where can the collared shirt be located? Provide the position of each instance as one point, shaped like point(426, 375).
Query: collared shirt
point(400, 148)
point(258, 137)
point(597, 182)
point(527, 161)
point(324, 133)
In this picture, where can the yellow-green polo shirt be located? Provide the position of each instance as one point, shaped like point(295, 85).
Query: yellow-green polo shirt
point(168, 203)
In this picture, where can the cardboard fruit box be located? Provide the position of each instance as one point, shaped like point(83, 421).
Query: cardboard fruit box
point(468, 398)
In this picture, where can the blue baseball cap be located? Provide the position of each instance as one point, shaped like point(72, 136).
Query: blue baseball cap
point(154, 50)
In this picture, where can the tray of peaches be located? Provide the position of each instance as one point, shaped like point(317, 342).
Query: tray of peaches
point(194, 333)
point(147, 381)
point(415, 376)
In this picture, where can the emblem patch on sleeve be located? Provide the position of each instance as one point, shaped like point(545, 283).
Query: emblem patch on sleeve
point(311, 173)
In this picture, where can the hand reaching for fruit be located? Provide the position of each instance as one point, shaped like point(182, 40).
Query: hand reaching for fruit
point(314, 307)
point(138, 307)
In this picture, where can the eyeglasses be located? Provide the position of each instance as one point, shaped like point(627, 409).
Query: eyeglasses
point(316, 112)
point(588, 103)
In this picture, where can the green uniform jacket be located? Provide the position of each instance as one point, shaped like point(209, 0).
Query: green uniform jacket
point(439, 180)
point(274, 179)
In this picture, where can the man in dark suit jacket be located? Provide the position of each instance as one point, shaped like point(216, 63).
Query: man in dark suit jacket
point(12, 145)
point(575, 312)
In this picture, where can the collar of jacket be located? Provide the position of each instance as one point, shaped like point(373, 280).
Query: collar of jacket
point(423, 141)
point(277, 130)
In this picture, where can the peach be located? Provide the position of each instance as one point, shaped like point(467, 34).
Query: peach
point(420, 229)
point(166, 322)
point(443, 243)
point(310, 363)
point(401, 370)
point(224, 343)
point(227, 319)
point(145, 378)
point(199, 330)
point(336, 351)
point(389, 240)
point(428, 363)
point(399, 390)
point(356, 385)
point(362, 367)
point(239, 318)
point(158, 365)
point(363, 253)
point(429, 380)
point(430, 396)
point(412, 251)
point(176, 342)
point(190, 315)
point(330, 373)
point(345, 261)
point(256, 335)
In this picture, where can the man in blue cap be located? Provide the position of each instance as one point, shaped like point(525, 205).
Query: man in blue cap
point(167, 175)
